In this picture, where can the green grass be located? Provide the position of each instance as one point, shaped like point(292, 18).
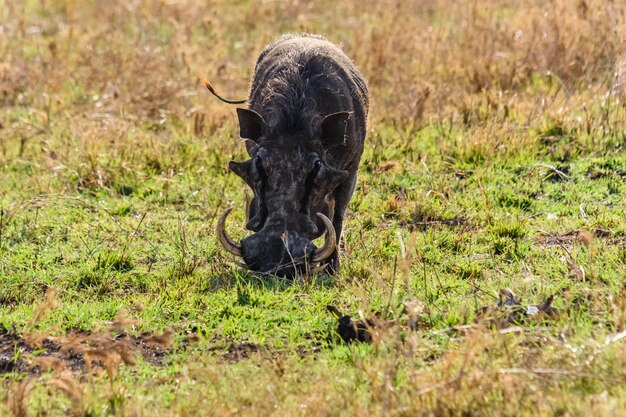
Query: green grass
point(111, 181)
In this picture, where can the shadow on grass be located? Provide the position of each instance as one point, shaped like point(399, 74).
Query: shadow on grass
point(238, 277)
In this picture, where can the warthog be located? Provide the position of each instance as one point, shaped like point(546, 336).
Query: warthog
point(304, 130)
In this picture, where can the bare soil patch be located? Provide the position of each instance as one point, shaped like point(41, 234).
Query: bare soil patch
point(546, 240)
point(231, 351)
point(79, 351)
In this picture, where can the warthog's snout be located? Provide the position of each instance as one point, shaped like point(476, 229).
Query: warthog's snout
point(284, 254)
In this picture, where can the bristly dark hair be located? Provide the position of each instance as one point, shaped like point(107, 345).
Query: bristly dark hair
point(299, 79)
point(288, 100)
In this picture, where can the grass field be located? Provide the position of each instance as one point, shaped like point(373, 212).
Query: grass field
point(495, 159)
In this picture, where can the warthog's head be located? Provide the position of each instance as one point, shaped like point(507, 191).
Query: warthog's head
point(293, 186)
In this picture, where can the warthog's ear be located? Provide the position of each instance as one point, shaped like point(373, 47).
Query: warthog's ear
point(251, 124)
point(333, 127)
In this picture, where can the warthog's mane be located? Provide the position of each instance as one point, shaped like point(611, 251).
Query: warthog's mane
point(294, 86)
point(290, 99)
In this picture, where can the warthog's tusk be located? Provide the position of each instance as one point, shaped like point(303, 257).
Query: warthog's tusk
point(317, 269)
point(241, 265)
point(223, 237)
point(330, 243)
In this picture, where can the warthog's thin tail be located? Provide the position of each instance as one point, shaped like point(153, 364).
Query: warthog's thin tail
point(209, 87)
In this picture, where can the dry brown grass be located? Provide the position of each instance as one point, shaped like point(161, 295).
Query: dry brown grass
point(141, 60)
point(106, 76)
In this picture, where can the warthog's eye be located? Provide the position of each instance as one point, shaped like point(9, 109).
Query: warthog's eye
point(258, 163)
point(317, 166)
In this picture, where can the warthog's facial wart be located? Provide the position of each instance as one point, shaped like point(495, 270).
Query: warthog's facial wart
point(291, 207)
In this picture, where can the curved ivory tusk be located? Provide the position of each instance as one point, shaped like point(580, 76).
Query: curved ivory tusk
point(330, 243)
point(317, 269)
point(223, 237)
point(241, 265)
